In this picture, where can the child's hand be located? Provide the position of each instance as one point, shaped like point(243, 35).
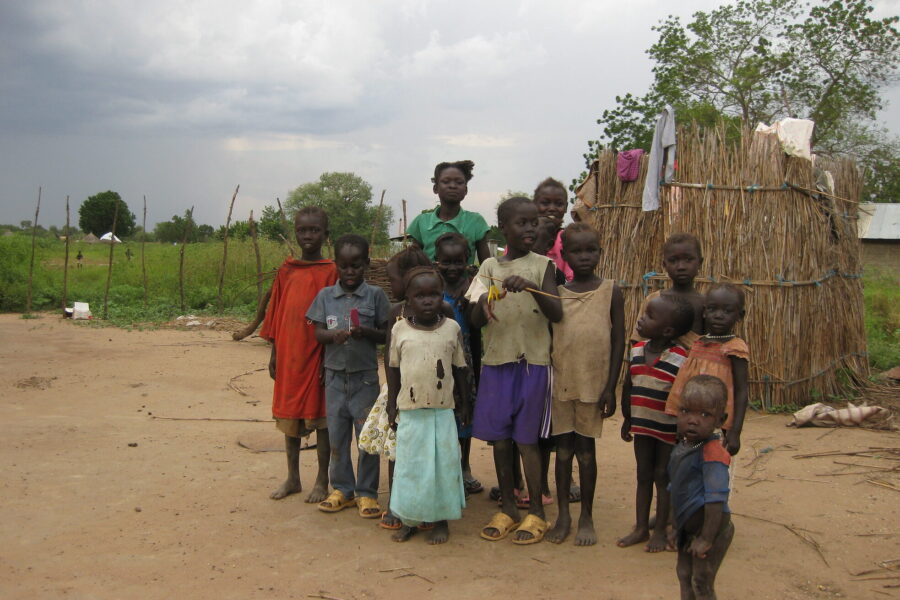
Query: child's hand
point(465, 414)
point(607, 404)
point(732, 442)
point(356, 332)
point(340, 336)
point(672, 537)
point(272, 367)
point(626, 430)
point(699, 547)
point(486, 307)
point(517, 284)
point(392, 414)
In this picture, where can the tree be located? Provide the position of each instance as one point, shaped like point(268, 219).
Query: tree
point(347, 198)
point(271, 226)
point(172, 231)
point(95, 215)
point(762, 60)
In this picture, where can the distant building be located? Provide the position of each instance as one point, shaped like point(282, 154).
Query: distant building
point(879, 232)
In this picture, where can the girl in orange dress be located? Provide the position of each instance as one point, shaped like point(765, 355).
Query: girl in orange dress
point(722, 354)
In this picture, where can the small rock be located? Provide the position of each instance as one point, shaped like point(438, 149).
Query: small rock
point(193, 323)
point(137, 509)
point(132, 444)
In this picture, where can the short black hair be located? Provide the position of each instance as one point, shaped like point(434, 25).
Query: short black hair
point(707, 387)
point(416, 272)
point(452, 237)
point(466, 166)
point(409, 257)
point(351, 239)
point(579, 227)
point(509, 206)
point(551, 183)
point(682, 313)
point(313, 211)
point(736, 290)
point(683, 238)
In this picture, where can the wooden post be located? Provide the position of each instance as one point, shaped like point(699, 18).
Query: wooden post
point(377, 218)
point(143, 261)
point(284, 223)
point(405, 223)
point(112, 246)
point(65, 293)
point(184, 239)
point(33, 240)
point(221, 301)
point(253, 237)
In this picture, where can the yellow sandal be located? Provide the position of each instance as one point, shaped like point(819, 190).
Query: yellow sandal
point(368, 508)
point(336, 502)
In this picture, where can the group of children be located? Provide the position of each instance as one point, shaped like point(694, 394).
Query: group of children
point(530, 348)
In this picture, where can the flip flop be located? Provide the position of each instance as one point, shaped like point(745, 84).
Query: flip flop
point(534, 525)
point(336, 502)
point(368, 508)
point(503, 523)
point(397, 524)
point(473, 486)
point(546, 499)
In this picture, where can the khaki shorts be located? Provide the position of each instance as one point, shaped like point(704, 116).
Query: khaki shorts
point(583, 418)
point(300, 427)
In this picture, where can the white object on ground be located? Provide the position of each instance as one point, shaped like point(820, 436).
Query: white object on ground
point(822, 415)
point(81, 310)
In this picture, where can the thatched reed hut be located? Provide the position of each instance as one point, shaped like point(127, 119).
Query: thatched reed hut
point(764, 225)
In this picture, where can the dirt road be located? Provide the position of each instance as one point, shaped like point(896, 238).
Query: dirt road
point(101, 500)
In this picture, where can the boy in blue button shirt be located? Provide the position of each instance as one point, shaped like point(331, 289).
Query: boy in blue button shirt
point(350, 318)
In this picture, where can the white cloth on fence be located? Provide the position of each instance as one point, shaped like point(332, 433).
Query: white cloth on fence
point(662, 156)
point(794, 135)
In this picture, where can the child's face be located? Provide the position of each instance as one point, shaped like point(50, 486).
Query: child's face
point(521, 230)
point(451, 262)
point(582, 253)
point(395, 277)
point(698, 417)
point(682, 262)
point(657, 322)
point(310, 232)
point(424, 297)
point(722, 311)
point(451, 186)
point(552, 202)
point(351, 263)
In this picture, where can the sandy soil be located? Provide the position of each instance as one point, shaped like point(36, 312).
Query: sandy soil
point(102, 500)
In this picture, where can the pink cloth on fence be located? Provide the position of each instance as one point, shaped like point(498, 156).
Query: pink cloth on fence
point(628, 164)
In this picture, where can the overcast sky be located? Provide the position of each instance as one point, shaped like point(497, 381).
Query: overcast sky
point(182, 101)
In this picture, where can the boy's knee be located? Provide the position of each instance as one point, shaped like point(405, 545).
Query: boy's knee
point(565, 453)
point(585, 457)
point(702, 584)
point(684, 571)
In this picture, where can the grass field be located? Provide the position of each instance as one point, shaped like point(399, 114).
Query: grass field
point(126, 306)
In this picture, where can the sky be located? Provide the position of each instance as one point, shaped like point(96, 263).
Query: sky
point(182, 101)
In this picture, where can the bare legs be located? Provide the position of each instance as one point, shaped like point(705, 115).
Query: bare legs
point(652, 457)
point(583, 448)
point(292, 484)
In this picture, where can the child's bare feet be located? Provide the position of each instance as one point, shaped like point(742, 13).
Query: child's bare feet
point(404, 533)
point(586, 535)
point(560, 530)
point(658, 542)
point(318, 493)
point(290, 486)
point(637, 536)
point(440, 534)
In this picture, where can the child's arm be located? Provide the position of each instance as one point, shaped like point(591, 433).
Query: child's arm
point(272, 362)
point(330, 336)
point(461, 381)
point(392, 374)
point(482, 250)
point(626, 407)
point(550, 305)
point(617, 349)
point(739, 369)
point(712, 521)
point(376, 334)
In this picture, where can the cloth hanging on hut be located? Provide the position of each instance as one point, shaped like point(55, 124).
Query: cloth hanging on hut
point(794, 135)
point(662, 155)
point(628, 164)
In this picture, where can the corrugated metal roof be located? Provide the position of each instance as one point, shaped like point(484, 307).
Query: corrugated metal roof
point(879, 221)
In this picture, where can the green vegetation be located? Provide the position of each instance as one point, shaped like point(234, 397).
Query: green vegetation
point(882, 297)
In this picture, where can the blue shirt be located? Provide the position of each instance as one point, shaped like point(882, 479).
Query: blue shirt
point(698, 475)
point(332, 306)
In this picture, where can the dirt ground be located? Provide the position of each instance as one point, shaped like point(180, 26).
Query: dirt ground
point(103, 500)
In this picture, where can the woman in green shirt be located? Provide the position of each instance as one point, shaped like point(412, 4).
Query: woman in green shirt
point(451, 185)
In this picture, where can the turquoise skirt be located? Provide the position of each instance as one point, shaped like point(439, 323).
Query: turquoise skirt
point(428, 483)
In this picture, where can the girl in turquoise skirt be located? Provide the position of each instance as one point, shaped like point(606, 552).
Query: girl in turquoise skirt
point(426, 361)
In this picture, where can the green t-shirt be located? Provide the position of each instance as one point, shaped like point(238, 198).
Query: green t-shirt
point(428, 227)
